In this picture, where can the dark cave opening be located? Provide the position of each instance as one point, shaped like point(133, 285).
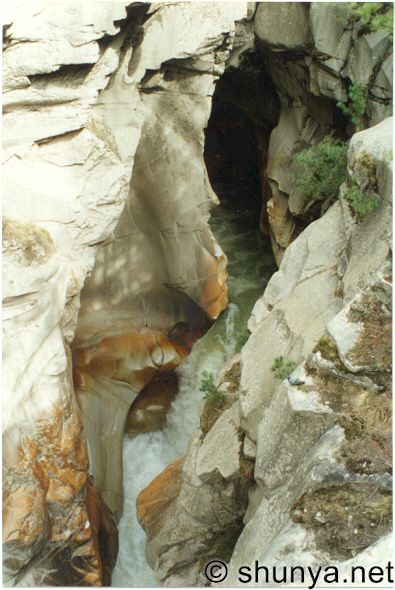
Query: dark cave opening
point(232, 157)
point(245, 109)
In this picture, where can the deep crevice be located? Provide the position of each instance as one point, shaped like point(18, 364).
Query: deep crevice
point(245, 109)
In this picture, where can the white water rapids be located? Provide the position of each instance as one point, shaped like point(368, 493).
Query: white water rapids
point(146, 455)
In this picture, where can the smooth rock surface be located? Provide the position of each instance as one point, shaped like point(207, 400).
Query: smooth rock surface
point(77, 99)
point(284, 25)
point(163, 265)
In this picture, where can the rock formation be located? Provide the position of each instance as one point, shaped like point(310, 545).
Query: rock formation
point(96, 104)
point(111, 272)
point(251, 486)
point(313, 53)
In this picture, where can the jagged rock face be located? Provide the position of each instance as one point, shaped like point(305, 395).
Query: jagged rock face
point(103, 170)
point(312, 52)
point(284, 451)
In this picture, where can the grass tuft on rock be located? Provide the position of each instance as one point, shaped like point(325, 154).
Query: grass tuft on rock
point(327, 347)
point(361, 202)
point(216, 402)
point(282, 367)
point(345, 518)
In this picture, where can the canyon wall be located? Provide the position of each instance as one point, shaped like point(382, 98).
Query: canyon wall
point(265, 475)
point(314, 53)
point(111, 272)
point(104, 113)
point(253, 480)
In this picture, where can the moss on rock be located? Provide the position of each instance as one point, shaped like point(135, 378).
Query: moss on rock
point(345, 518)
point(33, 244)
point(210, 413)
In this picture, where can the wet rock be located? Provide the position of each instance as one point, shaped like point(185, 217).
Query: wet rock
point(148, 412)
point(153, 501)
point(103, 524)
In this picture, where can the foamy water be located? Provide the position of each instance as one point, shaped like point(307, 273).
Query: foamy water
point(146, 455)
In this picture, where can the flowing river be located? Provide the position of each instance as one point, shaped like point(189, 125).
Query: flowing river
point(146, 455)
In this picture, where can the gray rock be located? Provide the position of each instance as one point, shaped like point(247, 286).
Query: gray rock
point(331, 31)
point(283, 25)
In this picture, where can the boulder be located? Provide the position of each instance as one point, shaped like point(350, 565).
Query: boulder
point(148, 412)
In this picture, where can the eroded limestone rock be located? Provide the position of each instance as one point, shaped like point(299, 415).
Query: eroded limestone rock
point(81, 86)
point(163, 265)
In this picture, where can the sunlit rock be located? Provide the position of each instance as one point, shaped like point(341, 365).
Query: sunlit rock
point(78, 102)
point(283, 25)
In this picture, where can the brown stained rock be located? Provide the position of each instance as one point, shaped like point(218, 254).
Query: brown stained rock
point(48, 509)
point(133, 358)
point(59, 494)
point(104, 530)
point(108, 377)
point(214, 296)
point(153, 501)
point(148, 412)
point(283, 228)
point(280, 219)
point(27, 506)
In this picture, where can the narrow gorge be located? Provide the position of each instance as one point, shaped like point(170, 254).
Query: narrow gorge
point(197, 289)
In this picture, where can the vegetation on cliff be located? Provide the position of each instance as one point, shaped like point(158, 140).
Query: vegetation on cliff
point(375, 16)
point(282, 367)
point(318, 171)
point(356, 105)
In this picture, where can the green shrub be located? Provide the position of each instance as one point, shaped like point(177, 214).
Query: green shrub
point(356, 105)
point(282, 368)
point(361, 202)
point(241, 338)
point(211, 392)
point(318, 171)
point(375, 16)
